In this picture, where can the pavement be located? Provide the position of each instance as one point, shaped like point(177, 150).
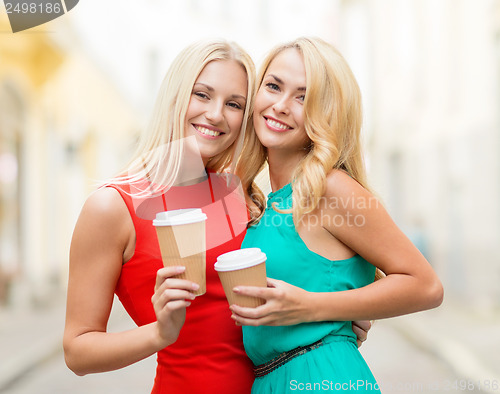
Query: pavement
point(28, 336)
point(31, 335)
point(465, 340)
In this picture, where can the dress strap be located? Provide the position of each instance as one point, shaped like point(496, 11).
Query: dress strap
point(124, 191)
point(141, 225)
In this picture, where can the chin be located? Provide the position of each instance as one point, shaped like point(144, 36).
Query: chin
point(270, 141)
point(211, 153)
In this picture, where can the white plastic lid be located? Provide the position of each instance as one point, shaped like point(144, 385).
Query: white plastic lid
point(179, 216)
point(239, 259)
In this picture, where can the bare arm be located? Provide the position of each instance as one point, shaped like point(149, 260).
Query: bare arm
point(410, 285)
point(102, 234)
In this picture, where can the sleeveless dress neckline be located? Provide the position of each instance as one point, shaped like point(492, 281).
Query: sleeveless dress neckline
point(209, 343)
point(289, 259)
point(282, 195)
point(283, 192)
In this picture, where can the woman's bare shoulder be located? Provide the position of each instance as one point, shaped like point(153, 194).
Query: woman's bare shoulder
point(105, 207)
point(340, 184)
point(105, 201)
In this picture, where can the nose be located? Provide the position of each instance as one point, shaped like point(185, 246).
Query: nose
point(281, 106)
point(215, 112)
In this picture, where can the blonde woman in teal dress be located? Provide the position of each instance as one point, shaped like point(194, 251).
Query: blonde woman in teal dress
point(324, 233)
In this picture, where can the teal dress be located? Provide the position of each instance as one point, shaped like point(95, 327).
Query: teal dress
point(336, 365)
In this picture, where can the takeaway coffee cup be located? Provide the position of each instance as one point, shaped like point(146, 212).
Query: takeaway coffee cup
point(181, 235)
point(245, 267)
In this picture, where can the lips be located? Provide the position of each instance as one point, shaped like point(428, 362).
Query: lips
point(276, 125)
point(208, 131)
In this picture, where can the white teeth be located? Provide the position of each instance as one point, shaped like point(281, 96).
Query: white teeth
point(276, 124)
point(204, 130)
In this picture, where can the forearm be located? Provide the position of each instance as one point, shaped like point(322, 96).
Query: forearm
point(391, 296)
point(93, 352)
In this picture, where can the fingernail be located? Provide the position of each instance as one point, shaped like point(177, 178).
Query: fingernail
point(180, 269)
point(236, 289)
point(195, 286)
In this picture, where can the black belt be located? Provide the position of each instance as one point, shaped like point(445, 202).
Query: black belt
point(283, 358)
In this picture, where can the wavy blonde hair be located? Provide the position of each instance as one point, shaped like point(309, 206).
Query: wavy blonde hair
point(332, 120)
point(157, 158)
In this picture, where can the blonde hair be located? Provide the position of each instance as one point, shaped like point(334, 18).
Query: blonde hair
point(157, 157)
point(332, 120)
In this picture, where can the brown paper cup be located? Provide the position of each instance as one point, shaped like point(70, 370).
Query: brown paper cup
point(183, 244)
point(253, 276)
point(248, 269)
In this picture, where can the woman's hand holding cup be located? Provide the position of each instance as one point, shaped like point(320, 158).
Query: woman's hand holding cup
point(171, 298)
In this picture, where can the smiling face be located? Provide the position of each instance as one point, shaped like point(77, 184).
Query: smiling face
point(216, 108)
point(279, 104)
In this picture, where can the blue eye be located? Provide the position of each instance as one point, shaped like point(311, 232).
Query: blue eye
point(201, 95)
point(272, 86)
point(234, 105)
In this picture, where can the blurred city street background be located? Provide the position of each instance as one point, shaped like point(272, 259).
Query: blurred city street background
point(76, 92)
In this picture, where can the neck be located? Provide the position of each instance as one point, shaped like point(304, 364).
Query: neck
point(191, 172)
point(282, 165)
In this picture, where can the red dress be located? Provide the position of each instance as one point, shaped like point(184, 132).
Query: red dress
point(208, 357)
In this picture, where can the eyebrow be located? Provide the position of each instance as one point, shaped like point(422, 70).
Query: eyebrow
point(211, 89)
point(279, 80)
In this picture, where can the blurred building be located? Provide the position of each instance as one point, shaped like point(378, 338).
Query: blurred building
point(433, 133)
point(63, 127)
